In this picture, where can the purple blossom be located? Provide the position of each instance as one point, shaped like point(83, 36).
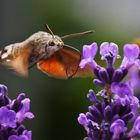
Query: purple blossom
point(24, 111)
point(7, 117)
point(122, 93)
point(117, 127)
point(131, 53)
point(82, 119)
point(92, 96)
point(108, 50)
point(89, 53)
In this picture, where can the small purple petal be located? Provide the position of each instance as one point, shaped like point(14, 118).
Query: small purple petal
point(7, 117)
point(89, 52)
point(98, 83)
point(24, 111)
point(108, 49)
point(21, 96)
point(82, 119)
point(121, 89)
point(91, 96)
point(103, 74)
point(29, 115)
point(108, 113)
point(3, 90)
point(136, 128)
point(131, 53)
point(88, 61)
point(117, 76)
point(117, 127)
point(95, 112)
point(122, 93)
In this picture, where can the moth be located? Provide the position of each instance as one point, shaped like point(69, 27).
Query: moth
point(48, 52)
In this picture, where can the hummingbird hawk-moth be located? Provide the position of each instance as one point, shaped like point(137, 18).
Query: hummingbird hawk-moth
point(49, 52)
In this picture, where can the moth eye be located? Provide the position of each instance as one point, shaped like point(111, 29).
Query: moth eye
point(51, 44)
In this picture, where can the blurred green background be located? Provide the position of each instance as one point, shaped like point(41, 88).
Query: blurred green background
point(57, 103)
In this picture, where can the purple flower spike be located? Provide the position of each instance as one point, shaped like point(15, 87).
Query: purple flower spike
point(131, 53)
point(7, 117)
point(114, 107)
point(117, 127)
point(24, 111)
point(12, 114)
point(89, 52)
point(136, 128)
point(109, 50)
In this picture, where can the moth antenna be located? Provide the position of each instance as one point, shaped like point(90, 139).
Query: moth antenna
point(78, 34)
point(49, 29)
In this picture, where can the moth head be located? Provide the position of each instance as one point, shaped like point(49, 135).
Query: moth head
point(54, 44)
point(55, 41)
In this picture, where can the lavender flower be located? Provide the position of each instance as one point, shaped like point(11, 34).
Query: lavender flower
point(12, 116)
point(89, 53)
point(115, 106)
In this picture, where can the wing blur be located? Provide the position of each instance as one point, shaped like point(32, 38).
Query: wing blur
point(20, 63)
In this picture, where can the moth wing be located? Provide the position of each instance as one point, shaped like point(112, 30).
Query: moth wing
point(52, 67)
point(84, 72)
point(20, 63)
point(64, 64)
